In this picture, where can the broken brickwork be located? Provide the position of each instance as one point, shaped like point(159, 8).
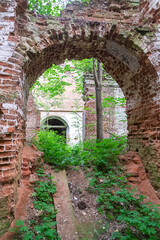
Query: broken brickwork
point(125, 39)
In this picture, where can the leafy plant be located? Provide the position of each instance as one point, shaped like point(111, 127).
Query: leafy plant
point(113, 101)
point(54, 148)
point(115, 198)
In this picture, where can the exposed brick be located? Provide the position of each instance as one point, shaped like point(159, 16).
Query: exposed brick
point(5, 76)
point(10, 129)
point(6, 64)
point(1, 148)
point(11, 72)
point(33, 115)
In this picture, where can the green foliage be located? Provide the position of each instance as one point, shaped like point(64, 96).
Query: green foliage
point(104, 154)
point(116, 200)
point(113, 101)
point(91, 152)
point(109, 103)
point(140, 221)
point(49, 7)
point(56, 152)
point(46, 226)
point(85, 65)
point(22, 229)
point(52, 83)
point(79, 68)
point(46, 7)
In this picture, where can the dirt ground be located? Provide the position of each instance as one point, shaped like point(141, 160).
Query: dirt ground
point(90, 223)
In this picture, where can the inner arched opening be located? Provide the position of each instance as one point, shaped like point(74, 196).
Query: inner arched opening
point(57, 125)
point(78, 103)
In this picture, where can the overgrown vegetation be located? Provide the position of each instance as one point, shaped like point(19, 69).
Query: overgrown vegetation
point(117, 201)
point(44, 226)
point(90, 153)
point(56, 152)
point(136, 219)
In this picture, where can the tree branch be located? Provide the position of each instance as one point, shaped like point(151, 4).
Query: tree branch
point(99, 72)
point(95, 73)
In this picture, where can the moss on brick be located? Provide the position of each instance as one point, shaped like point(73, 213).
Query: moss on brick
point(4, 226)
point(8, 96)
point(4, 223)
point(153, 168)
point(3, 203)
point(4, 213)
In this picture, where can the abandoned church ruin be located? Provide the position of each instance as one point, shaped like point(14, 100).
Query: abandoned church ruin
point(124, 35)
point(73, 115)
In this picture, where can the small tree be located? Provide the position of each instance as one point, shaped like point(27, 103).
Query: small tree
point(97, 73)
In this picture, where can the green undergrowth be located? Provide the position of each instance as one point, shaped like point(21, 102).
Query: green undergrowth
point(116, 200)
point(54, 147)
point(43, 226)
point(58, 154)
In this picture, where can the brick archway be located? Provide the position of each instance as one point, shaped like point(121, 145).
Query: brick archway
point(113, 34)
point(123, 58)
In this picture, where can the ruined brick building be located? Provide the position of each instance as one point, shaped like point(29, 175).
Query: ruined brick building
point(74, 114)
point(124, 35)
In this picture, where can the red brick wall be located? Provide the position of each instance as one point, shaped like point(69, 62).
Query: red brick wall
point(114, 34)
point(11, 114)
point(150, 11)
point(33, 118)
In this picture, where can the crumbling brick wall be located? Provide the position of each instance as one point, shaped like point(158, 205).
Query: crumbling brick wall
point(12, 126)
point(150, 11)
point(115, 33)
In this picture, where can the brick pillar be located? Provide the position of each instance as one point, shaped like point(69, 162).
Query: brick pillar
point(11, 113)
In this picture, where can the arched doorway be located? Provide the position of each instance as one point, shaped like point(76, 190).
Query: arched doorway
point(56, 124)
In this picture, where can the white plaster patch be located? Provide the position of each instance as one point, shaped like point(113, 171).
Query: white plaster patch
point(9, 106)
point(20, 112)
